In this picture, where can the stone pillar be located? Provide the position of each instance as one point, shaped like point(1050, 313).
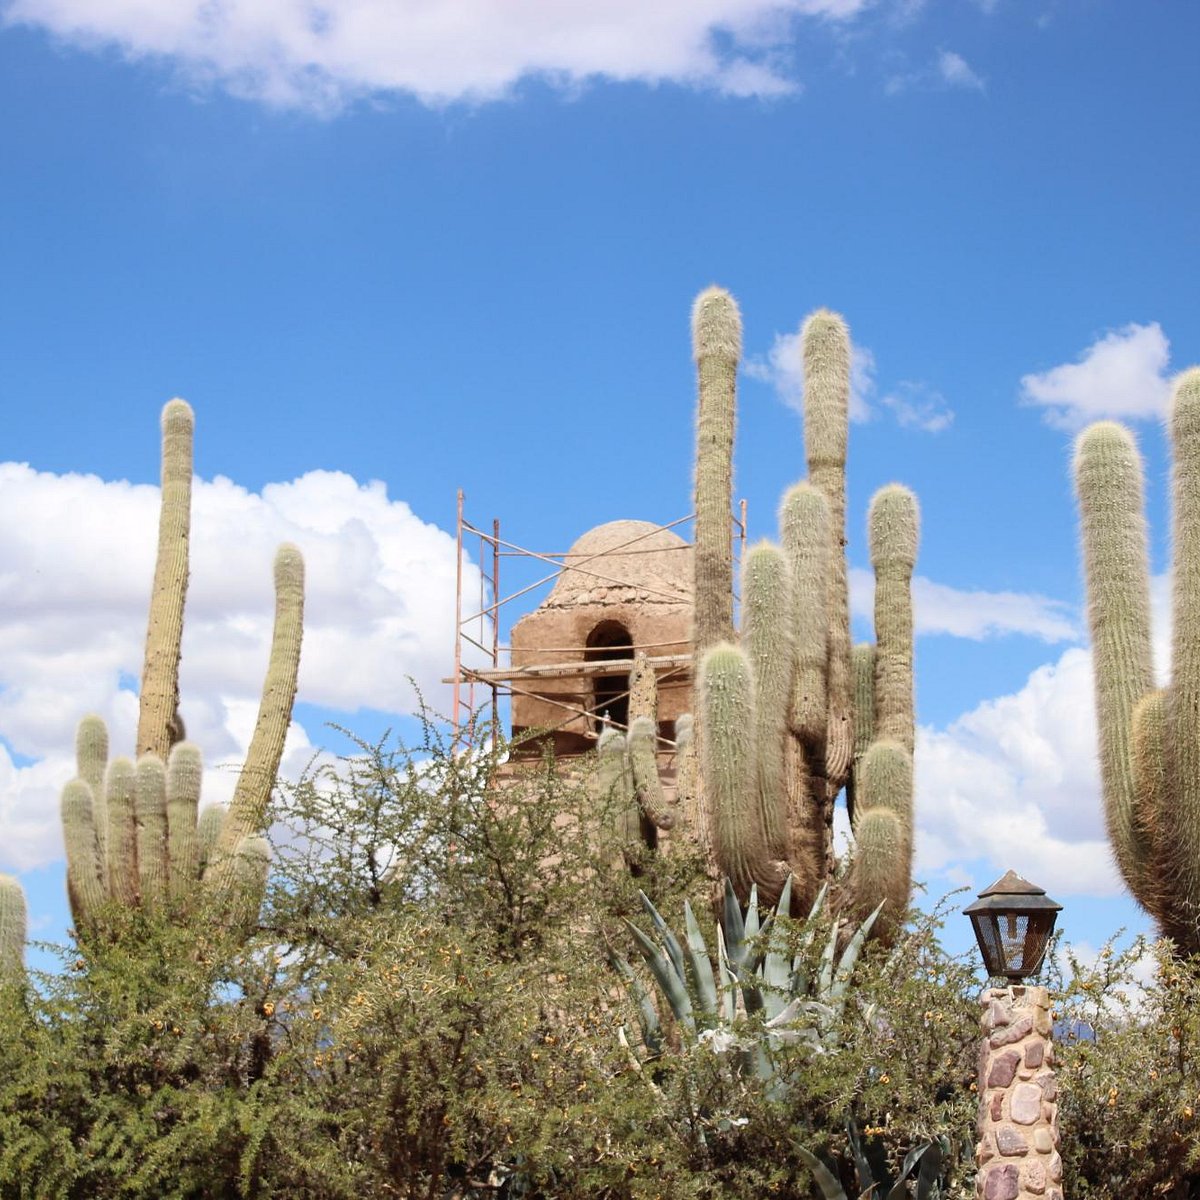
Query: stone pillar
point(1017, 1151)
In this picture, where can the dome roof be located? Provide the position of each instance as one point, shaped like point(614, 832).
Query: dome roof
point(626, 560)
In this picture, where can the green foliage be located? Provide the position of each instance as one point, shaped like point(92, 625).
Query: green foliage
point(763, 1055)
point(424, 1008)
point(1127, 1042)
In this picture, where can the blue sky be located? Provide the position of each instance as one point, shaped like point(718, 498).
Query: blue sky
point(457, 246)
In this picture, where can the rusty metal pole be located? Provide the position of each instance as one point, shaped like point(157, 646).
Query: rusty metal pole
point(458, 581)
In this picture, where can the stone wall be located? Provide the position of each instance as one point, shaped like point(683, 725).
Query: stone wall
point(1017, 1151)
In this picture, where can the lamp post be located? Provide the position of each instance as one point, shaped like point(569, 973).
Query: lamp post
point(1017, 1150)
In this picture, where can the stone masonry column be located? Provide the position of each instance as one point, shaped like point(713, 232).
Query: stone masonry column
point(1017, 1151)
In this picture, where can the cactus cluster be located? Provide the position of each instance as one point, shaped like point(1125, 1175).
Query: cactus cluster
point(133, 830)
point(1149, 737)
point(787, 713)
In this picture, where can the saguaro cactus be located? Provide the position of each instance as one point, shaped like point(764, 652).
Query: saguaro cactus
point(788, 716)
point(12, 931)
point(133, 832)
point(1149, 740)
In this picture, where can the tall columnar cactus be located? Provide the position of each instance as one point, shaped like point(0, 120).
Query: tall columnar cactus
point(717, 346)
point(158, 720)
point(133, 831)
point(12, 931)
point(788, 716)
point(1149, 740)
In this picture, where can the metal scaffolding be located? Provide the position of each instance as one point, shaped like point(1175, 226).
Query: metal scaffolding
point(477, 623)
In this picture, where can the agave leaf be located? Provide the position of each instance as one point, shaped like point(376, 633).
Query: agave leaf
point(667, 936)
point(931, 1169)
point(702, 972)
point(850, 957)
point(751, 921)
point(826, 1180)
point(728, 979)
point(776, 972)
point(900, 1191)
point(825, 978)
point(735, 929)
point(865, 1177)
point(674, 988)
point(647, 1017)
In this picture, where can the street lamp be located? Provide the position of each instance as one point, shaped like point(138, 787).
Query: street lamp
point(1013, 920)
point(1017, 1150)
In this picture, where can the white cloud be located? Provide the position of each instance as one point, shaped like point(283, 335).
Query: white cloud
point(955, 71)
point(947, 70)
point(1122, 374)
point(323, 53)
point(783, 369)
point(1015, 782)
point(918, 406)
point(977, 615)
point(76, 561)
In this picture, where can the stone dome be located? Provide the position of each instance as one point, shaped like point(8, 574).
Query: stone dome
point(625, 561)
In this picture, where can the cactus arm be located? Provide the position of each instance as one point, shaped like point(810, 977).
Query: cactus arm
point(804, 530)
point(1151, 794)
point(643, 760)
point(120, 786)
point(184, 773)
point(826, 347)
point(729, 758)
point(251, 865)
point(767, 635)
point(893, 526)
point(150, 804)
point(208, 833)
point(862, 668)
point(164, 631)
point(1108, 483)
point(874, 876)
point(85, 884)
point(881, 869)
point(717, 347)
point(248, 811)
point(1181, 864)
point(91, 761)
point(13, 931)
point(643, 689)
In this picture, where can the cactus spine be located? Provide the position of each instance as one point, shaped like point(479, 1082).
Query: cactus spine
point(789, 716)
point(1149, 740)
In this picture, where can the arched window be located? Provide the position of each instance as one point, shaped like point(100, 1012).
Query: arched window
point(610, 639)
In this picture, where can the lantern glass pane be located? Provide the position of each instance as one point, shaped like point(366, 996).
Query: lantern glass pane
point(1013, 943)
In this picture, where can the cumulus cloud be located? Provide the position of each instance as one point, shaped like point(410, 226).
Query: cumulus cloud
point(1015, 782)
point(918, 406)
point(1122, 374)
point(955, 71)
point(947, 70)
point(76, 560)
point(782, 367)
point(322, 53)
point(977, 615)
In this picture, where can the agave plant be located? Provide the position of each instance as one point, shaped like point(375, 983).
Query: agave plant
point(758, 998)
point(873, 1180)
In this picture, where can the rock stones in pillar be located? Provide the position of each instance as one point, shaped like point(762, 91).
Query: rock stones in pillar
point(1017, 1125)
